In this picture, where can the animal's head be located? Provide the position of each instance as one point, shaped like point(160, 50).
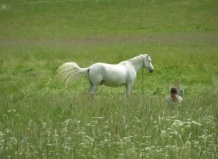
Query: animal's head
point(147, 62)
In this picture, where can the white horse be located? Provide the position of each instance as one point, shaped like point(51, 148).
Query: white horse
point(112, 75)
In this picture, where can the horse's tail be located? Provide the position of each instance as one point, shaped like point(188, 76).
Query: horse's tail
point(70, 71)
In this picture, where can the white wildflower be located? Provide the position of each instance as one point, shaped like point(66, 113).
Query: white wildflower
point(196, 123)
point(8, 130)
point(147, 148)
point(177, 123)
point(174, 132)
point(81, 133)
point(149, 135)
point(44, 125)
point(163, 132)
point(99, 117)
point(66, 122)
point(90, 138)
point(13, 140)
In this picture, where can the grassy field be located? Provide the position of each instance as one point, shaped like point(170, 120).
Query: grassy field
point(41, 118)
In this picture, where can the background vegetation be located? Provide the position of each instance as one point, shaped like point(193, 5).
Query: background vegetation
point(40, 118)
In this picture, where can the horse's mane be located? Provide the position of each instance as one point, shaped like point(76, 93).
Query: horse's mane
point(136, 59)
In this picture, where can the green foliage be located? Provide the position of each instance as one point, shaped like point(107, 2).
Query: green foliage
point(41, 118)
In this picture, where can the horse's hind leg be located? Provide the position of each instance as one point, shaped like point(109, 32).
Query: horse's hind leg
point(93, 89)
point(90, 86)
point(95, 80)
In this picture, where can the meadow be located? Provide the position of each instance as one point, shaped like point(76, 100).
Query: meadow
point(41, 118)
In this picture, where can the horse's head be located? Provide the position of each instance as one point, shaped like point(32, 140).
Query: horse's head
point(147, 63)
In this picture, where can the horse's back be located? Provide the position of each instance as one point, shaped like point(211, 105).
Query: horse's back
point(108, 68)
point(108, 74)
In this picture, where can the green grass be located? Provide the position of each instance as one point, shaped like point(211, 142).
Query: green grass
point(40, 118)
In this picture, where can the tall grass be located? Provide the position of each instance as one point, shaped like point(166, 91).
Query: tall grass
point(41, 118)
point(108, 127)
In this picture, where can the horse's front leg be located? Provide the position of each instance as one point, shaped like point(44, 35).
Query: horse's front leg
point(128, 89)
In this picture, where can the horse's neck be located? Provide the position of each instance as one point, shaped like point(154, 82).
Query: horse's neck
point(137, 62)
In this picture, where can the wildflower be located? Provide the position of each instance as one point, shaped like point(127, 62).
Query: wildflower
point(174, 132)
point(44, 125)
point(177, 123)
point(66, 122)
point(90, 138)
point(196, 123)
point(13, 140)
point(148, 136)
point(99, 117)
point(147, 148)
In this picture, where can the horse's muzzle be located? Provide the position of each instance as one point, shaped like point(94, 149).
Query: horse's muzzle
point(151, 71)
